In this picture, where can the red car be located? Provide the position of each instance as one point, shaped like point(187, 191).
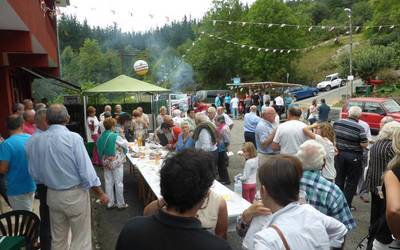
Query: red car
point(373, 109)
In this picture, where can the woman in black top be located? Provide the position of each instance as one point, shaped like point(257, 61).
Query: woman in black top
point(381, 153)
point(387, 226)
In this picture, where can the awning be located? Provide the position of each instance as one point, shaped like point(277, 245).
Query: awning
point(125, 84)
point(61, 83)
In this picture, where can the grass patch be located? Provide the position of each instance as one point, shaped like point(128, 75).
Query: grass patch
point(321, 61)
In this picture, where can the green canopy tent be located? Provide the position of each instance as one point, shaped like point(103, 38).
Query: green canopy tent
point(127, 85)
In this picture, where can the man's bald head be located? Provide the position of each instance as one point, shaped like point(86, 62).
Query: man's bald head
point(253, 108)
point(268, 114)
point(57, 114)
point(29, 116)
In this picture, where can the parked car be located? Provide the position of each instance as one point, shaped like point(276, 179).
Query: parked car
point(180, 101)
point(302, 92)
point(208, 96)
point(331, 81)
point(373, 109)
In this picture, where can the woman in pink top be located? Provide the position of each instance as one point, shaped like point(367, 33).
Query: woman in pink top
point(29, 124)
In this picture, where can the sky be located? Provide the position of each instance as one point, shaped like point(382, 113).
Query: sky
point(137, 15)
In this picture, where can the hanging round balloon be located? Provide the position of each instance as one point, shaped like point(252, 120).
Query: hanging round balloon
point(141, 67)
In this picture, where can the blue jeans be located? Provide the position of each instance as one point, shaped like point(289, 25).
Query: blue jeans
point(234, 113)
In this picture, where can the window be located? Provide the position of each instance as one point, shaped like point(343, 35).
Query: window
point(373, 107)
point(391, 106)
point(354, 103)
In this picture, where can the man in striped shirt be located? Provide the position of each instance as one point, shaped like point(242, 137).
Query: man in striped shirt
point(351, 139)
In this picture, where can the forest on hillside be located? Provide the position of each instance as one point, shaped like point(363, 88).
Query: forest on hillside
point(257, 42)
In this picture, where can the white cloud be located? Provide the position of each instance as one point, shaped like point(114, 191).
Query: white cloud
point(137, 15)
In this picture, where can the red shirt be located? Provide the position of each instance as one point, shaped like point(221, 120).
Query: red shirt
point(29, 128)
point(176, 130)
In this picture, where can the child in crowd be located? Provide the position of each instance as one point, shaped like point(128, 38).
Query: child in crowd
point(249, 187)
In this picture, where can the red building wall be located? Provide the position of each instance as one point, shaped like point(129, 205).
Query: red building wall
point(18, 49)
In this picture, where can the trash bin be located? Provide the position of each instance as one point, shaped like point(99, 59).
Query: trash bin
point(365, 90)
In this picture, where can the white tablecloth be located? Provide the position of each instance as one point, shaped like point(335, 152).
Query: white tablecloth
point(151, 173)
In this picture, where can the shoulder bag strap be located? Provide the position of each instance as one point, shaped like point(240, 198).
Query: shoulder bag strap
point(281, 236)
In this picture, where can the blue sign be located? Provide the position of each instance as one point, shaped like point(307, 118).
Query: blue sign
point(236, 80)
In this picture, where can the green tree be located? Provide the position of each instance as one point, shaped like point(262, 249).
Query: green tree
point(271, 66)
point(367, 62)
point(384, 13)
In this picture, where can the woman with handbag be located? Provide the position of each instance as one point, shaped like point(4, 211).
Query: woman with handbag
point(112, 148)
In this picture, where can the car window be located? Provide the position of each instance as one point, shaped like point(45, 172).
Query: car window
point(328, 79)
point(334, 78)
point(354, 103)
point(391, 106)
point(373, 107)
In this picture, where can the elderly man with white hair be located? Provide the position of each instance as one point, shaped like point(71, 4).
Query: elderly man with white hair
point(323, 195)
point(176, 117)
point(265, 132)
point(351, 140)
point(107, 109)
point(228, 120)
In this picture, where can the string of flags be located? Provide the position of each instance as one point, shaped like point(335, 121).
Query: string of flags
point(310, 28)
point(260, 49)
point(328, 28)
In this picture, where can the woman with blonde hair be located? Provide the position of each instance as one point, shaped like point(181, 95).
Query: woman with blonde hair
point(160, 117)
point(324, 134)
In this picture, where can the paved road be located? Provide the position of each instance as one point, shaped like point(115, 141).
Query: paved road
point(333, 96)
point(108, 223)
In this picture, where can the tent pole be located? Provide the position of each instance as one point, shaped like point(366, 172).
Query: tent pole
point(152, 113)
point(169, 104)
point(84, 117)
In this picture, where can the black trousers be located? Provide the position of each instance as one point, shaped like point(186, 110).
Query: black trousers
point(348, 171)
point(228, 108)
point(250, 137)
point(45, 234)
point(223, 162)
point(377, 208)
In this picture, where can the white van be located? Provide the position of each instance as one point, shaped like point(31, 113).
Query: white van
point(331, 81)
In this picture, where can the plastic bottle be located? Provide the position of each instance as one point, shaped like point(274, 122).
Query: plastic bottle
point(237, 187)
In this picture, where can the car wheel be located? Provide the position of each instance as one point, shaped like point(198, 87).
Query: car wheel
point(315, 93)
point(342, 83)
point(327, 88)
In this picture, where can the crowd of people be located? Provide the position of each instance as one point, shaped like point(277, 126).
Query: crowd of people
point(299, 174)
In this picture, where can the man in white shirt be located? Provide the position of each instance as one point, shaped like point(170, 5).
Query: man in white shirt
point(289, 135)
point(235, 106)
point(228, 120)
point(280, 104)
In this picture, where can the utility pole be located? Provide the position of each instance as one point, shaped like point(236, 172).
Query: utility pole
point(351, 50)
